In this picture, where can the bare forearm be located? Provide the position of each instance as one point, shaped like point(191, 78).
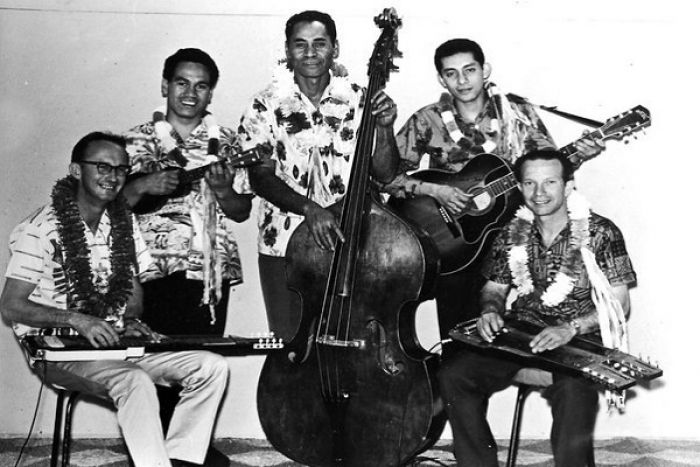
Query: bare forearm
point(493, 298)
point(35, 315)
point(588, 323)
point(385, 161)
point(134, 190)
point(235, 206)
point(273, 189)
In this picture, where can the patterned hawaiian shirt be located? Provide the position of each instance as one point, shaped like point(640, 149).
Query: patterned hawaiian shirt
point(608, 246)
point(426, 132)
point(37, 258)
point(311, 148)
point(174, 232)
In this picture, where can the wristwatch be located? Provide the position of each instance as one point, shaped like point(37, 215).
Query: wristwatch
point(575, 325)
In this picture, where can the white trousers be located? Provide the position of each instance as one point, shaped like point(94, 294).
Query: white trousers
point(130, 385)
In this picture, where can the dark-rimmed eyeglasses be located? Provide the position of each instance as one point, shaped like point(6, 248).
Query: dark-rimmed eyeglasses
point(103, 168)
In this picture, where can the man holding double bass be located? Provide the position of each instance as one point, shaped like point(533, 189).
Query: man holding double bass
point(305, 125)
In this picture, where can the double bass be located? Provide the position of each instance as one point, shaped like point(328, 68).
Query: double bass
point(355, 388)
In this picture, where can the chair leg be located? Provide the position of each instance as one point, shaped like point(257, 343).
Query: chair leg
point(523, 391)
point(591, 458)
point(65, 457)
point(57, 427)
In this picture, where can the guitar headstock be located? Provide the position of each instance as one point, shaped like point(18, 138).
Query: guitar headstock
point(626, 123)
point(386, 47)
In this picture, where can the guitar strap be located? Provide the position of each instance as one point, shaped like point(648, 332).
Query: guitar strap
point(553, 109)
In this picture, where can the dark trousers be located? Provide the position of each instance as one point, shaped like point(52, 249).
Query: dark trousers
point(457, 299)
point(467, 381)
point(283, 306)
point(173, 305)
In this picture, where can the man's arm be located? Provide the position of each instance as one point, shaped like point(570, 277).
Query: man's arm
point(492, 303)
point(162, 182)
point(552, 337)
point(322, 223)
point(16, 307)
point(385, 160)
point(234, 205)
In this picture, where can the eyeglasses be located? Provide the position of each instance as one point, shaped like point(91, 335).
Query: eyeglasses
point(103, 168)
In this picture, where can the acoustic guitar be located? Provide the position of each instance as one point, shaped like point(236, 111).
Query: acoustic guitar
point(461, 238)
point(150, 203)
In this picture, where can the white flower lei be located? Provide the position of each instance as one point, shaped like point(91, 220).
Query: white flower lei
point(579, 215)
point(287, 93)
point(211, 268)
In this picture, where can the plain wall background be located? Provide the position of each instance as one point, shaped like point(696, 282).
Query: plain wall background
point(70, 67)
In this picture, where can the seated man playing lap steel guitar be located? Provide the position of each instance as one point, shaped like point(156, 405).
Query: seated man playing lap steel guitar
point(73, 270)
point(472, 118)
point(557, 255)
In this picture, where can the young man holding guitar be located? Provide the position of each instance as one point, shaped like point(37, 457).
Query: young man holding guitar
point(190, 235)
point(472, 118)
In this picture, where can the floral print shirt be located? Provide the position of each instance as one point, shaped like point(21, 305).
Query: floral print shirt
point(606, 243)
point(311, 148)
point(174, 232)
point(426, 132)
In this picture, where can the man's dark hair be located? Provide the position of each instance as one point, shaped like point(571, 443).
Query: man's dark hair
point(81, 146)
point(191, 55)
point(309, 16)
point(455, 46)
point(544, 155)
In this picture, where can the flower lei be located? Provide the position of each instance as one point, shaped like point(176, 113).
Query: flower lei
point(518, 233)
point(78, 270)
point(285, 89)
point(211, 269)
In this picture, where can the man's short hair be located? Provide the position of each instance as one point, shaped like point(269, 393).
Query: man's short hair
point(191, 55)
point(80, 148)
point(309, 16)
point(544, 155)
point(455, 46)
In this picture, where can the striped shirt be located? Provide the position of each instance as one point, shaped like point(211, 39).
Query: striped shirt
point(37, 258)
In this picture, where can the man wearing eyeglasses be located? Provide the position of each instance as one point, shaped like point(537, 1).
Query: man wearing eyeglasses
point(73, 271)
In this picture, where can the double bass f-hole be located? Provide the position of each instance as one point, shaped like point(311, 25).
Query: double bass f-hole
point(385, 359)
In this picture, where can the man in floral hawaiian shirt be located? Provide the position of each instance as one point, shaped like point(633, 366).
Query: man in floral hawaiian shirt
point(191, 237)
point(471, 118)
point(556, 255)
point(306, 121)
point(184, 285)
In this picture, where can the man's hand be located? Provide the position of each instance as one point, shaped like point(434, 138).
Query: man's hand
point(134, 327)
point(451, 198)
point(383, 108)
point(162, 182)
point(323, 226)
point(489, 324)
point(219, 177)
point(588, 147)
point(552, 337)
point(97, 331)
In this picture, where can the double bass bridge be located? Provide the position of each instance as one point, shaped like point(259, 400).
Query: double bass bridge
point(332, 341)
